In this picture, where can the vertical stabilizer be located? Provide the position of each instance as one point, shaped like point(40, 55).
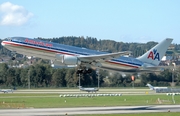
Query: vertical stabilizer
point(155, 54)
point(150, 86)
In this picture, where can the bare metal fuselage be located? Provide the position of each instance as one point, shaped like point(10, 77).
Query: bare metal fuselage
point(48, 53)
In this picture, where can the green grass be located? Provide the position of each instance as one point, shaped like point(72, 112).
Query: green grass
point(54, 101)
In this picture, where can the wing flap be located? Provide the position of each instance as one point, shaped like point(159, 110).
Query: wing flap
point(152, 69)
point(107, 56)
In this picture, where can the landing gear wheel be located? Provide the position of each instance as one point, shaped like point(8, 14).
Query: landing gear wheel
point(79, 71)
point(88, 71)
point(85, 71)
point(13, 54)
point(13, 58)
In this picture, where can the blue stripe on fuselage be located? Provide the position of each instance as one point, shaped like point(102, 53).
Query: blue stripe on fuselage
point(128, 60)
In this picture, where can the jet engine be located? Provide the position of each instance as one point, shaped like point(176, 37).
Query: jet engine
point(63, 66)
point(68, 60)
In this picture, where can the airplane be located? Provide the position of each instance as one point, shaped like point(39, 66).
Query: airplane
point(88, 89)
point(156, 88)
point(6, 90)
point(65, 55)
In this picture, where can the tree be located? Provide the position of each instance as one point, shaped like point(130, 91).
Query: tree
point(17, 77)
point(166, 75)
point(69, 78)
point(47, 75)
point(58, 78)
point(116, 80)
point(24, 77)
point(11, 79)
point(3, 73)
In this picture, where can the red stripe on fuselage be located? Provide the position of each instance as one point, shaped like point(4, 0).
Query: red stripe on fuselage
point(42, 49)
point(118, 63)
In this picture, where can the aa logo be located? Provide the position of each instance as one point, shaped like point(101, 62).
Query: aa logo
point(154, 55)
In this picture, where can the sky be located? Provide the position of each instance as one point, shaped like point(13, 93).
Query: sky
point(119, 20)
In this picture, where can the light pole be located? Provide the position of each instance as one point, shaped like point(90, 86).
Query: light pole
point(29, 83)
point(79, 80)
point(174, 64)
point(97, 72)
point(132, 77)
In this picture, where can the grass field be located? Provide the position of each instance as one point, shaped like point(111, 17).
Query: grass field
point(37, 100)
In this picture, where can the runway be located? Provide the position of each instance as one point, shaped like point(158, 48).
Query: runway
point(89, 110)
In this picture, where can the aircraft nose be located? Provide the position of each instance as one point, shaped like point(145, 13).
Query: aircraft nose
point(2, 43)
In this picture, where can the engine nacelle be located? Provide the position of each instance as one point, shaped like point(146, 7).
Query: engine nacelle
point(71, 60)
point(63, 66)
point(57, 63)
point(68, 60)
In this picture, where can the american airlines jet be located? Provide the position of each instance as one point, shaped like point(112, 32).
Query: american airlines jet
point(88, 89)
point(6, 90)
point(156, 88)
point(66, 55)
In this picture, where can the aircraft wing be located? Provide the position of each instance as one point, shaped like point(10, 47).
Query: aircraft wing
point(152, 69)
point(103, 56)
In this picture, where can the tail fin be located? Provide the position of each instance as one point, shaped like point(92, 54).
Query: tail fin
point(150, 86)
point(155, 54)
point(80, 87)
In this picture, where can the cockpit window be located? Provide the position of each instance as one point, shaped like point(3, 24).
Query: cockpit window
point(8, 39)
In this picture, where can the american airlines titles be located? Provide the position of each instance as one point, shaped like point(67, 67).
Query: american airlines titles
point(38, 43)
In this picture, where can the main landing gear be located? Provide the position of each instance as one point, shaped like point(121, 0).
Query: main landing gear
point(13, 54)
point(13, 58)
point(84, 71)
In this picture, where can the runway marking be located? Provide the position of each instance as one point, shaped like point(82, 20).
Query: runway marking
point(90, 95)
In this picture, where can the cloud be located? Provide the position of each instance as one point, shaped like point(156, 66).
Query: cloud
point(13, 15)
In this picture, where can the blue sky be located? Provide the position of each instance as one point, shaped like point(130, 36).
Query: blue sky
point(118, 20)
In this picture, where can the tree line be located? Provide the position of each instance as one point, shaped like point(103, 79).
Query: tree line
point(43, 75)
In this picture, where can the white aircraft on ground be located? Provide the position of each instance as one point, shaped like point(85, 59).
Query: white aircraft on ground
point(66, 55)
point(88, 89)
point(6, 90)
point(156, 88)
